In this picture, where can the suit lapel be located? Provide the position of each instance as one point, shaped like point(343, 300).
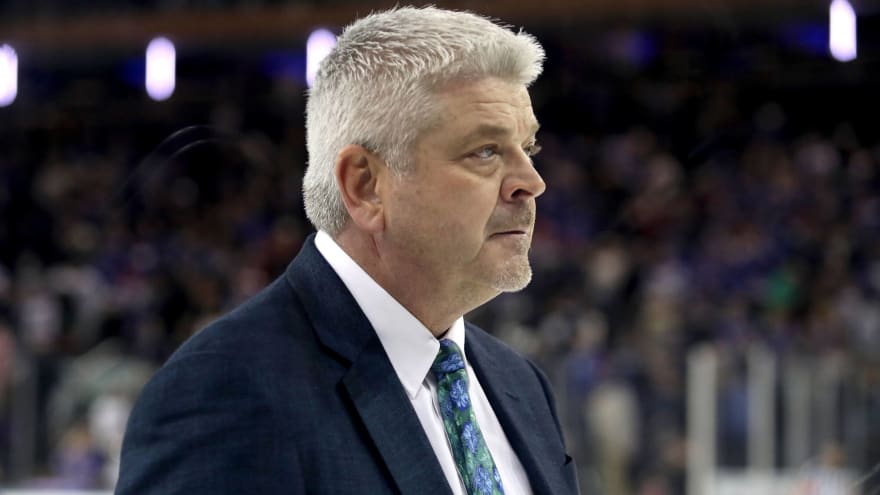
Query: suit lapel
point(370, 382)
point(516, 414)
point(393, 425)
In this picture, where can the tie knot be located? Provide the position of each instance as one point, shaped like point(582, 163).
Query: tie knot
point(448, 360)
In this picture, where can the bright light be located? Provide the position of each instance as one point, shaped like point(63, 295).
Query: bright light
point(161, 59)
point(8, 75)
point(319, 45)
point(842, 31)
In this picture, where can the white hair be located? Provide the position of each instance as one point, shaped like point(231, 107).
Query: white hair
point(376, 89)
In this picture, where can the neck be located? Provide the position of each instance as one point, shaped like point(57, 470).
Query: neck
point(427, 295)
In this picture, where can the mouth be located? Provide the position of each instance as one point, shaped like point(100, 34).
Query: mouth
point(514, 232)
point(512, 224)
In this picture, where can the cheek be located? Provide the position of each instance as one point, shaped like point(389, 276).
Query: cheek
point(468, 210)
point(421, 214)
point(448, 206)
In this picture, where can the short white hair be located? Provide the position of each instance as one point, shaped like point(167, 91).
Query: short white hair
point(376, 89)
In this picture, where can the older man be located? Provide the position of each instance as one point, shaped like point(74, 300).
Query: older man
point(355, 372)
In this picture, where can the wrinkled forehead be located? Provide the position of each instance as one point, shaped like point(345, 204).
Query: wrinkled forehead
point(471, 111)
point(487, 98)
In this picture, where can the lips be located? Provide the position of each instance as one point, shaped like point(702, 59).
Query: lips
point(517, 223)
point(512, 232)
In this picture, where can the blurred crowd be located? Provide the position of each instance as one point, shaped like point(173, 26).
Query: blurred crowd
point(679, 213)
point(43, 9)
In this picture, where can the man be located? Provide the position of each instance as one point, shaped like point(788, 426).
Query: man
point(346, 374)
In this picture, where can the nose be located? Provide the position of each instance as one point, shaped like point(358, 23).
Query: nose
point(522, 181)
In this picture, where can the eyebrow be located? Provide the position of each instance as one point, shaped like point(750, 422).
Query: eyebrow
point(491, 130)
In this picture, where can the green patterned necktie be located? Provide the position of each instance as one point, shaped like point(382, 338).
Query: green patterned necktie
point(472, 456)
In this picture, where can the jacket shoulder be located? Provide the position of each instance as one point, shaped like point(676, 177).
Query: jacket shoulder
point(272, 315)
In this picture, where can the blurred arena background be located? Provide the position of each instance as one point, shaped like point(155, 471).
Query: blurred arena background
point(707, 255)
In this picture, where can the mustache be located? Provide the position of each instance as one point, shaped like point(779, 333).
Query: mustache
point(520, 219)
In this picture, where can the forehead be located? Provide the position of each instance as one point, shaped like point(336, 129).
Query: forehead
point(489, 101)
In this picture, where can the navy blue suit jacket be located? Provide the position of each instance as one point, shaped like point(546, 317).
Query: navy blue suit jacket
point(293, 393)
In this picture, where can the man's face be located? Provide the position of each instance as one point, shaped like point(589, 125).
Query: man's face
point(465, 213)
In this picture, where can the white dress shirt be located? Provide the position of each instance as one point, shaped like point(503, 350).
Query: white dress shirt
point(411, 348)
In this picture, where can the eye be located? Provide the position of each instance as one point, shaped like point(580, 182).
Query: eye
point(532, 149)
point(486, 152)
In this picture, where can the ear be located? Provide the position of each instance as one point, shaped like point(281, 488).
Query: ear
point(358, 174)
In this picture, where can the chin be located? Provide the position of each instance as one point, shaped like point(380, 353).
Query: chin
point(513, 277)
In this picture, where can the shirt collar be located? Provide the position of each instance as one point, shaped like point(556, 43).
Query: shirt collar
point(410, 346)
